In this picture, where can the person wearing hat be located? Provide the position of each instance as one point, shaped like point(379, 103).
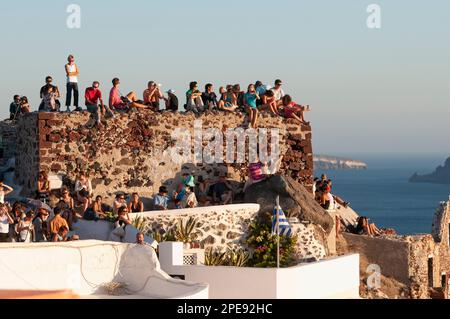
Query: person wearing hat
point(180, 195)
point(171, 101)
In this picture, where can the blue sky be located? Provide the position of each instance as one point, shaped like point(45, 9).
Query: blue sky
point(371, 91)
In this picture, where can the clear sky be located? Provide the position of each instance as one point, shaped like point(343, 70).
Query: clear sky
point(371, 90)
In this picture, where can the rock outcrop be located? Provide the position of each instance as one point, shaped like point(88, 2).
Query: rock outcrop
point(134, 152)
point(325, 162)
point(440, 176)
point(295, 200)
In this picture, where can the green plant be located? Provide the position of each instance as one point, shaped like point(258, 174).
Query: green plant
point(185, 232)
point(237, 258)
point(110, 217)
point(215, 257)
point(162, 235)
point(141, 223)
point(264, 245)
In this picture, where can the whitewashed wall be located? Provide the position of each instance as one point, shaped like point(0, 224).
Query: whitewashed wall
point(86, 266)
point(331, 278)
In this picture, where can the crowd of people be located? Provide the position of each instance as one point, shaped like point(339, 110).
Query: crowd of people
point(322, 191)
point(231, 98)
point(52, 214)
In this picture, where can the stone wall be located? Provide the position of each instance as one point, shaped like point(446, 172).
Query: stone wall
point(131, 152)
point(391, 255)
point(8, 140)
point(221, 226)
point(421, 262)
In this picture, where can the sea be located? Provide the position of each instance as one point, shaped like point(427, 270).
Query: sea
point(384, 194)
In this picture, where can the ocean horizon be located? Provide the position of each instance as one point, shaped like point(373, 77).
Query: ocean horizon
point(384, 194)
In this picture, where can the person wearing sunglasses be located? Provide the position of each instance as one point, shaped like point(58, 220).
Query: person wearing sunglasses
point(45, 89)
point(41, 226)
point(72, 73)
point(278, 91)
point(119, 202)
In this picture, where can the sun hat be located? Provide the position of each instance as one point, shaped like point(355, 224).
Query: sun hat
point(189, 181)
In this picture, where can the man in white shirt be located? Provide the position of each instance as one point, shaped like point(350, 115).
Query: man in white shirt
point(5, 221)
point(278, 91)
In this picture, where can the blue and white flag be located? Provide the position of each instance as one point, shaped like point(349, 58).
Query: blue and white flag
point(283, 224)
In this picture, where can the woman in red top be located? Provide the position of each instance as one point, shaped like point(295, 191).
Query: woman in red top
point(292, 110)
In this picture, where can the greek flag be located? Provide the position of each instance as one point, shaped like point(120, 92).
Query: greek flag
point(284, 227)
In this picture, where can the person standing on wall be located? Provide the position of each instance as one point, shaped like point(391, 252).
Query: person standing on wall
point(72, 73)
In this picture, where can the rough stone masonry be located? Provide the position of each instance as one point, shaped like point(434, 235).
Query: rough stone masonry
point(130, 153)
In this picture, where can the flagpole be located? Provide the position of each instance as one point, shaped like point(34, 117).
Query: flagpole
point(278, 231)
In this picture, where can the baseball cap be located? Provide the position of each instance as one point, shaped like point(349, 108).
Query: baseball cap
point(170, 91)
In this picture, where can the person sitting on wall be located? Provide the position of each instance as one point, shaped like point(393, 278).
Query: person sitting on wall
point(94, 102)
point(152, 95)
point(41, 226)
point(14, 108)
point(135, 205)
point(250, 99)
point(97, 208)
point(44, 90)
point(61, 235)
point(43, 187)
point(49, 100)
point(4, 191)
point(119, 202)
point(161, 200)
point(171, 101)
point(121, 222)
point(365, 228)
point(278, 91)
point(57, 222)
point(188, 181)
point(239, 96)
point(5, 221)
point(292, 110)
point(83, 189)
point(66, 212)
point(122, 103)
point(209, 97)
point(223, 191)
point(337, 199)
point(228, 101)
point(203, 191)
point(194, 100)
point(25, 229)
point(25, 107)
point(95, 211)
point(269, 103)
point(189, 200)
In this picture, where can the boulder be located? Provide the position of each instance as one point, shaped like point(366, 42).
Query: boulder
point(294, 198)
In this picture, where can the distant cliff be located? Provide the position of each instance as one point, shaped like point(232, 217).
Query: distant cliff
point(440, 176)
point(325, 162)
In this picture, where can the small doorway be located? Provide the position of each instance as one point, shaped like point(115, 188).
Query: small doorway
point(430, 272)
